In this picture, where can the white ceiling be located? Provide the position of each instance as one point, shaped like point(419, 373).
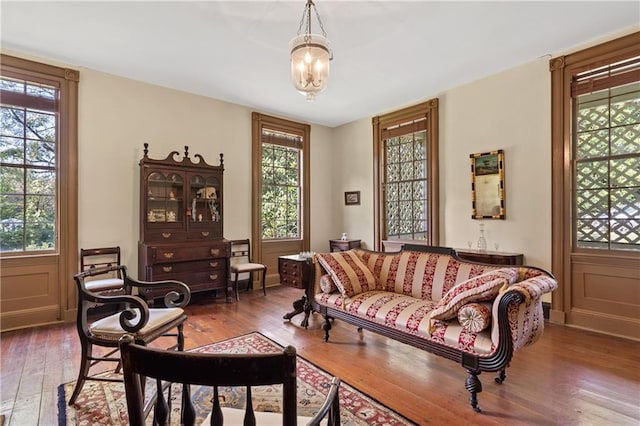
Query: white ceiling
point(387, 54)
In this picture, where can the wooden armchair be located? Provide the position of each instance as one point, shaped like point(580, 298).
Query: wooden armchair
point(217, 370)
point(134, 317)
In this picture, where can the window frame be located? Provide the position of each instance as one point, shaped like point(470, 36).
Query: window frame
point(562, 70)
point(67, 151)
point(429, 111)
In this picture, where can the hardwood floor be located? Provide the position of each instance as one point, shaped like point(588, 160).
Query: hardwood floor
point(569, 377)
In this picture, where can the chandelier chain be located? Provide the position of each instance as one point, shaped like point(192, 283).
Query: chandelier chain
point(306, 16)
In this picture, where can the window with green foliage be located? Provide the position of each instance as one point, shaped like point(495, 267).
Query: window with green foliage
point(28, 165)
point(607, 158)
point(281, 185)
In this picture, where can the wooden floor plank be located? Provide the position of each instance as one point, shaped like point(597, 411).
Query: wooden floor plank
point(569, 377)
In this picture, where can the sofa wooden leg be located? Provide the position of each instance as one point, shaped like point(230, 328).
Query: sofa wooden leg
point(501, 376)
point(326, 326)
point(474, 386)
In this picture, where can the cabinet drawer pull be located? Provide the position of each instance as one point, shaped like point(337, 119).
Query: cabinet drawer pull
point(213, 264)
point(215, 252)
point(205, 233)
point(166, 234)
point(167, 268)
point(168, 255)
point(213, 276)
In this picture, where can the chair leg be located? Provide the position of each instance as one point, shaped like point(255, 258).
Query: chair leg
point(264, 278)
point(181, 337)
point(85, 364)
point(235, 287)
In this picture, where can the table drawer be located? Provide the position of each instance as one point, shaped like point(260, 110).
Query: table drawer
point(292, 281)
point(289, 267)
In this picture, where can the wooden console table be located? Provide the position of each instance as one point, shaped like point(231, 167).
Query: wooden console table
point(343, 245)
point(493, 257)
point(296, 271)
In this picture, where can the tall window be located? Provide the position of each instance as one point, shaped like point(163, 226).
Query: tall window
point(281, 184)
point(280, 187)
point(606, 157)
point(406, 179)
point(405, 184)
point(28, 164)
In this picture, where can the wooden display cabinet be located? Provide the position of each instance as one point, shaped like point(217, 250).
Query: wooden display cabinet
point(181, 232)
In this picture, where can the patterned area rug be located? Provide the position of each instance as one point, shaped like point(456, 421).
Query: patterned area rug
point(104, 403)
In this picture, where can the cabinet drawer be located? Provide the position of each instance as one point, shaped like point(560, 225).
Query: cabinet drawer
point(161, 270)
point(166, 236)
point(198, 281)
point(174, 254)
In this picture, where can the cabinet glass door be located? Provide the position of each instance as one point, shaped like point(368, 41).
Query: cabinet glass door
point(205, 203)
point(165, 202)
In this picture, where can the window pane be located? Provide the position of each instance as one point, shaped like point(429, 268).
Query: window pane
point(13, 122)
point(41, 153)
point(406, 207)
point(11, 150)
point(28, 172)
point(41, 182)
point(41, 126)
point(12, 85)
point(280, 191)
point(607, 169)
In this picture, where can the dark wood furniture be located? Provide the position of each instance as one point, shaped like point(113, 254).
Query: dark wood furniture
point(99, 257)
point(296, 271)
point(343, 245)
point(493, 257)
point(181, 232)
point(216, 370)
point(241, 264)
point(132, 317)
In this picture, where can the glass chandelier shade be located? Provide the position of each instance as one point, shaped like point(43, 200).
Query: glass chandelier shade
point(310, 57)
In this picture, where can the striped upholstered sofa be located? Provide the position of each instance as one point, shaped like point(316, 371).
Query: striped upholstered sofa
point(472, 313)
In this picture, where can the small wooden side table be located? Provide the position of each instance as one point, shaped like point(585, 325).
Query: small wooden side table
point(343, 245)
point(296, 271)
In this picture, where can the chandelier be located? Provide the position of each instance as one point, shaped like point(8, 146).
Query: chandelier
point(310, 56)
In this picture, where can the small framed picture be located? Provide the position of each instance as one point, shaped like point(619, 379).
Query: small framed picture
point(352, 198)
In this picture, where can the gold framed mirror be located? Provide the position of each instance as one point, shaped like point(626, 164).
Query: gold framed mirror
point(487, 185)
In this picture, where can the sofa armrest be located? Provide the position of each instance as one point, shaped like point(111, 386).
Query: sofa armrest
point(521, 314)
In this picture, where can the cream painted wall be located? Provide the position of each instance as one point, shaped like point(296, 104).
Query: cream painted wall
point(509, 111)
point(353, 171)
point(118, 115)
point(326, 216)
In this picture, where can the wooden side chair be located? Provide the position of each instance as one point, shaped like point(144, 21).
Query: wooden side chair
point(134, 317)
point(240, 264)
point(139, 362)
